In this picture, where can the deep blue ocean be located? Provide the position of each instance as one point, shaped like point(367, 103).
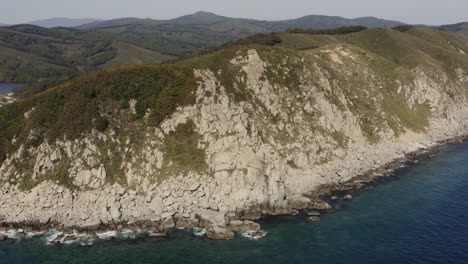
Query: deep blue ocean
point(421, 216)
point(8, 87)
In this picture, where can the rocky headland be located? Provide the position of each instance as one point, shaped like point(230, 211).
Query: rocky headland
point(263, 130)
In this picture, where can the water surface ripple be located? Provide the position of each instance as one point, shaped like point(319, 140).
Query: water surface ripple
point(422, 217)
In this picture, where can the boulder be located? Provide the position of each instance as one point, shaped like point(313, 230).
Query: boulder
point(313, 213)
point(3, 237)
point(348, 197)
point(299, 202)
point(320, 205)
point(334, 198)
point(211, 218)
point(157, 234)
point(168, 223)
point(69, 238)
point(219, 233)
point(239, 225)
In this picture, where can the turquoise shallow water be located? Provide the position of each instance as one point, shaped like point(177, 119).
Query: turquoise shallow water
point(420, 217)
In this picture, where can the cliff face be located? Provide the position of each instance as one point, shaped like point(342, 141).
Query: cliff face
point(266, 129)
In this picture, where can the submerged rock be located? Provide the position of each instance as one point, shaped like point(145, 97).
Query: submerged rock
point(157, 234)
point(254, 234)
point(20, 234)
point(313, 213)
point(70, 238)
point(313, 219)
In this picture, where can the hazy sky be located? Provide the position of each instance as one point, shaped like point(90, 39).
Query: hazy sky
point(410, 11)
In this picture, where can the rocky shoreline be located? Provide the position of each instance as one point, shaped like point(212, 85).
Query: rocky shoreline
point(280, 151)
point(322, 199)
point(333, 191)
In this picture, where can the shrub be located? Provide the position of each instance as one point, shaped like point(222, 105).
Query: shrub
point(73, 108)
point(403, 28)
point(182, 149)
point(101, 123)
point(337, 31)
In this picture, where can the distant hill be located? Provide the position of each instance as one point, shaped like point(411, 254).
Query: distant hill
point(199, 18)
point(206, 19)
point(372, 22)
point(203, 30)
point(29, 53)
point(460, 29)
point(62, 22)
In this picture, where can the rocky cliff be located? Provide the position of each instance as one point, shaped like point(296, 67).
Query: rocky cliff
point(217, 140)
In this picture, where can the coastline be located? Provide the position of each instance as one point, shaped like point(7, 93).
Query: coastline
point(57, 234)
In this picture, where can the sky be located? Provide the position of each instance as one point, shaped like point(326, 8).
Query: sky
point(431, 12)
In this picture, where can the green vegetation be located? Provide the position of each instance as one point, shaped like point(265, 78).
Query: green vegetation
point(337, 31)
point(78, 106)
point(403, 28)
point(30, 53)
point(292, 164)
point(39, 86)
point(460, 29)
point(340, 138)
point(182, 153)
point(271, 39)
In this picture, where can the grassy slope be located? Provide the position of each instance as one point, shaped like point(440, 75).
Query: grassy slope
point(132, 54)
point(29, 53)
point(460, 29)
point(418, 46)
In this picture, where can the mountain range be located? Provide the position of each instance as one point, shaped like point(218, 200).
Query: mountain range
point(208, 19)
point(29, 53)
point(58, 22)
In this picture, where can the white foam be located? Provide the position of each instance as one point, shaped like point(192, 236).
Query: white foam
point(250, 234)
point(107, 234)
point(11, 234)
point(199, 231)
point(52, 236)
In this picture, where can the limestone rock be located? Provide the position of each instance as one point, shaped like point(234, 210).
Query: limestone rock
point(157, 234)
point(313, 213)
point(219, 233)
point(238, 225)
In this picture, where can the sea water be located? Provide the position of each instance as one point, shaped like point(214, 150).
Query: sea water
point(421, 216)
point(6, 88)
